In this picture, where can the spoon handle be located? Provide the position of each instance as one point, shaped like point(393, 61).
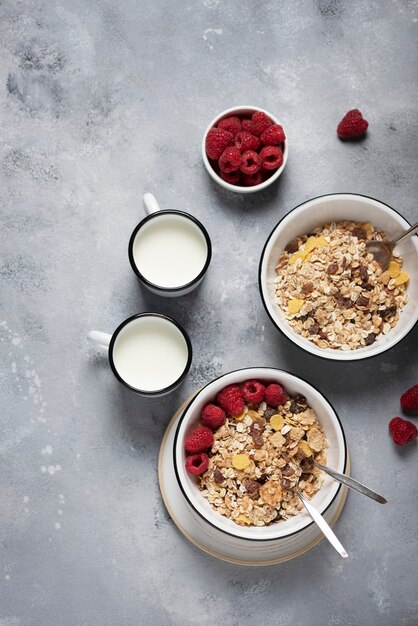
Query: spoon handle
point(323, 525)
point(351, 483)
point(407, 233)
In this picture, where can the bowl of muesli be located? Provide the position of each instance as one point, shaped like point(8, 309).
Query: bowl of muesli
point(246, 442)
point(322, 288)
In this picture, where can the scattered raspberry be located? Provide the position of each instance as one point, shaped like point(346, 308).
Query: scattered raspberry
point(250, 162)
point(232, 124)
point(259, 123)
point(402, 431)
point(246, 125)
point(230, 160)
point(246, 141)
point(196, 464)
point(212, 416)
point(233, 178)
point(250, 180)
point(352, 125)
point(230, 399)
point(199, 440)
point(253, 391)
point(217, 140)
point(273, 135)
point(275, 395)
point(409, 400)
point(271, 157)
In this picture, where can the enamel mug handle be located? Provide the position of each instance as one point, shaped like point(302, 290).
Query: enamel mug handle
point(150, 203)
point(103, 339)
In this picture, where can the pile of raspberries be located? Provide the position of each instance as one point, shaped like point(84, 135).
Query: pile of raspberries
point(245, 150)
point(230, 401)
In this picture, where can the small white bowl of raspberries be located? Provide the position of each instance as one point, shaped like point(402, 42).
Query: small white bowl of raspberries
point(245, 149)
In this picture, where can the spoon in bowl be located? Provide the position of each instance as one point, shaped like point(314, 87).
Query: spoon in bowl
point(323, 525)
point(382, 250)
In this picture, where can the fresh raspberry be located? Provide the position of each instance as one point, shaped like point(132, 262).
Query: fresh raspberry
point(199, 440)
point(197, 463)
point(212, 416)
point(246, 141)
point(253, 391)
point(230, 160)
point(250, 180)
point(273, 135)
point(259, 123)
point(275, 395)
point(234, 178)
point(402, 431)
point(250, 162)
point(246, 125)
point(232, 124)
point(409, 400)
point(230, 399)
point(352, 125)
point(217, 140)
point(271, 157)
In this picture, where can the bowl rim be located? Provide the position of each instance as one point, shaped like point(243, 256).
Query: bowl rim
point(355, 355)
point(188, 500)
point(241, 188)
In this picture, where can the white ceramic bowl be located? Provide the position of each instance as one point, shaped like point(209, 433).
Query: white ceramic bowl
point(299, 531)
point(243, 110)
point(316, 212)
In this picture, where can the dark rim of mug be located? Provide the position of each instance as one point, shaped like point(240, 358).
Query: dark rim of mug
point(152, 216)
point(164, 389)
point(187, 497)
point(260, 287)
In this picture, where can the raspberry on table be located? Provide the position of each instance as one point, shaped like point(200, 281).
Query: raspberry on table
point(217, 140)
point(250, 180)
point(246, 141)
point(259, 123)
point(250, 162)
point(199, 440)
point(212, 416)
point(271, 157)
point(275, 395)
point(231, 124)
point(273, 135)
point(231, 400)
point(409, 399)
point(402, 430)
point(253, 391)
point(352, 125)
point(230, 160)
point(197, 464)
point(233, 178)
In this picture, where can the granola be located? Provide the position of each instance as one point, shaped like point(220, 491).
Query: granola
point(331, 290)
point(259, 457)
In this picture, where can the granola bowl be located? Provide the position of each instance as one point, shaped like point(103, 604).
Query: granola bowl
point(290, 535)
point(361, 311)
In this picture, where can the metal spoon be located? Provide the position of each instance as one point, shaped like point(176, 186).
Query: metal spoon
point(351, 483)
point(323, 525)
point(382, 250)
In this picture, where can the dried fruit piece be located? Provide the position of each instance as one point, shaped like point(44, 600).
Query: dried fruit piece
point(240, 461)
point(218, 477)
point(199, 440)
point(197, 464)
point(304, 446)
point(409, 399)
point(402, 278)
point(295, 305)
point(402, 431)
point(276, 422)
point(394, 269)
point(242, 519)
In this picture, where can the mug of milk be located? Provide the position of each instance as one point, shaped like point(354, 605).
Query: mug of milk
point(169, 250)
point(149, 353)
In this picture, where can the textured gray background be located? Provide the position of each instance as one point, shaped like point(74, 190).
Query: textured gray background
point(101, 101)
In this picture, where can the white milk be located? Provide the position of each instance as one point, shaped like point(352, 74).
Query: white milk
point(170, 251)
point(150, 353)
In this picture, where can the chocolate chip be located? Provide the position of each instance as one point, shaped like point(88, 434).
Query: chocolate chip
point(360, 233)
point(218, 477)
point(252, 487)
point(370, 339)
point(292, 246)
point(307, 289)
point(332, 268)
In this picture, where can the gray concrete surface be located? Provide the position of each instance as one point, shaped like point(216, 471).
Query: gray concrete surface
point(101, 101)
